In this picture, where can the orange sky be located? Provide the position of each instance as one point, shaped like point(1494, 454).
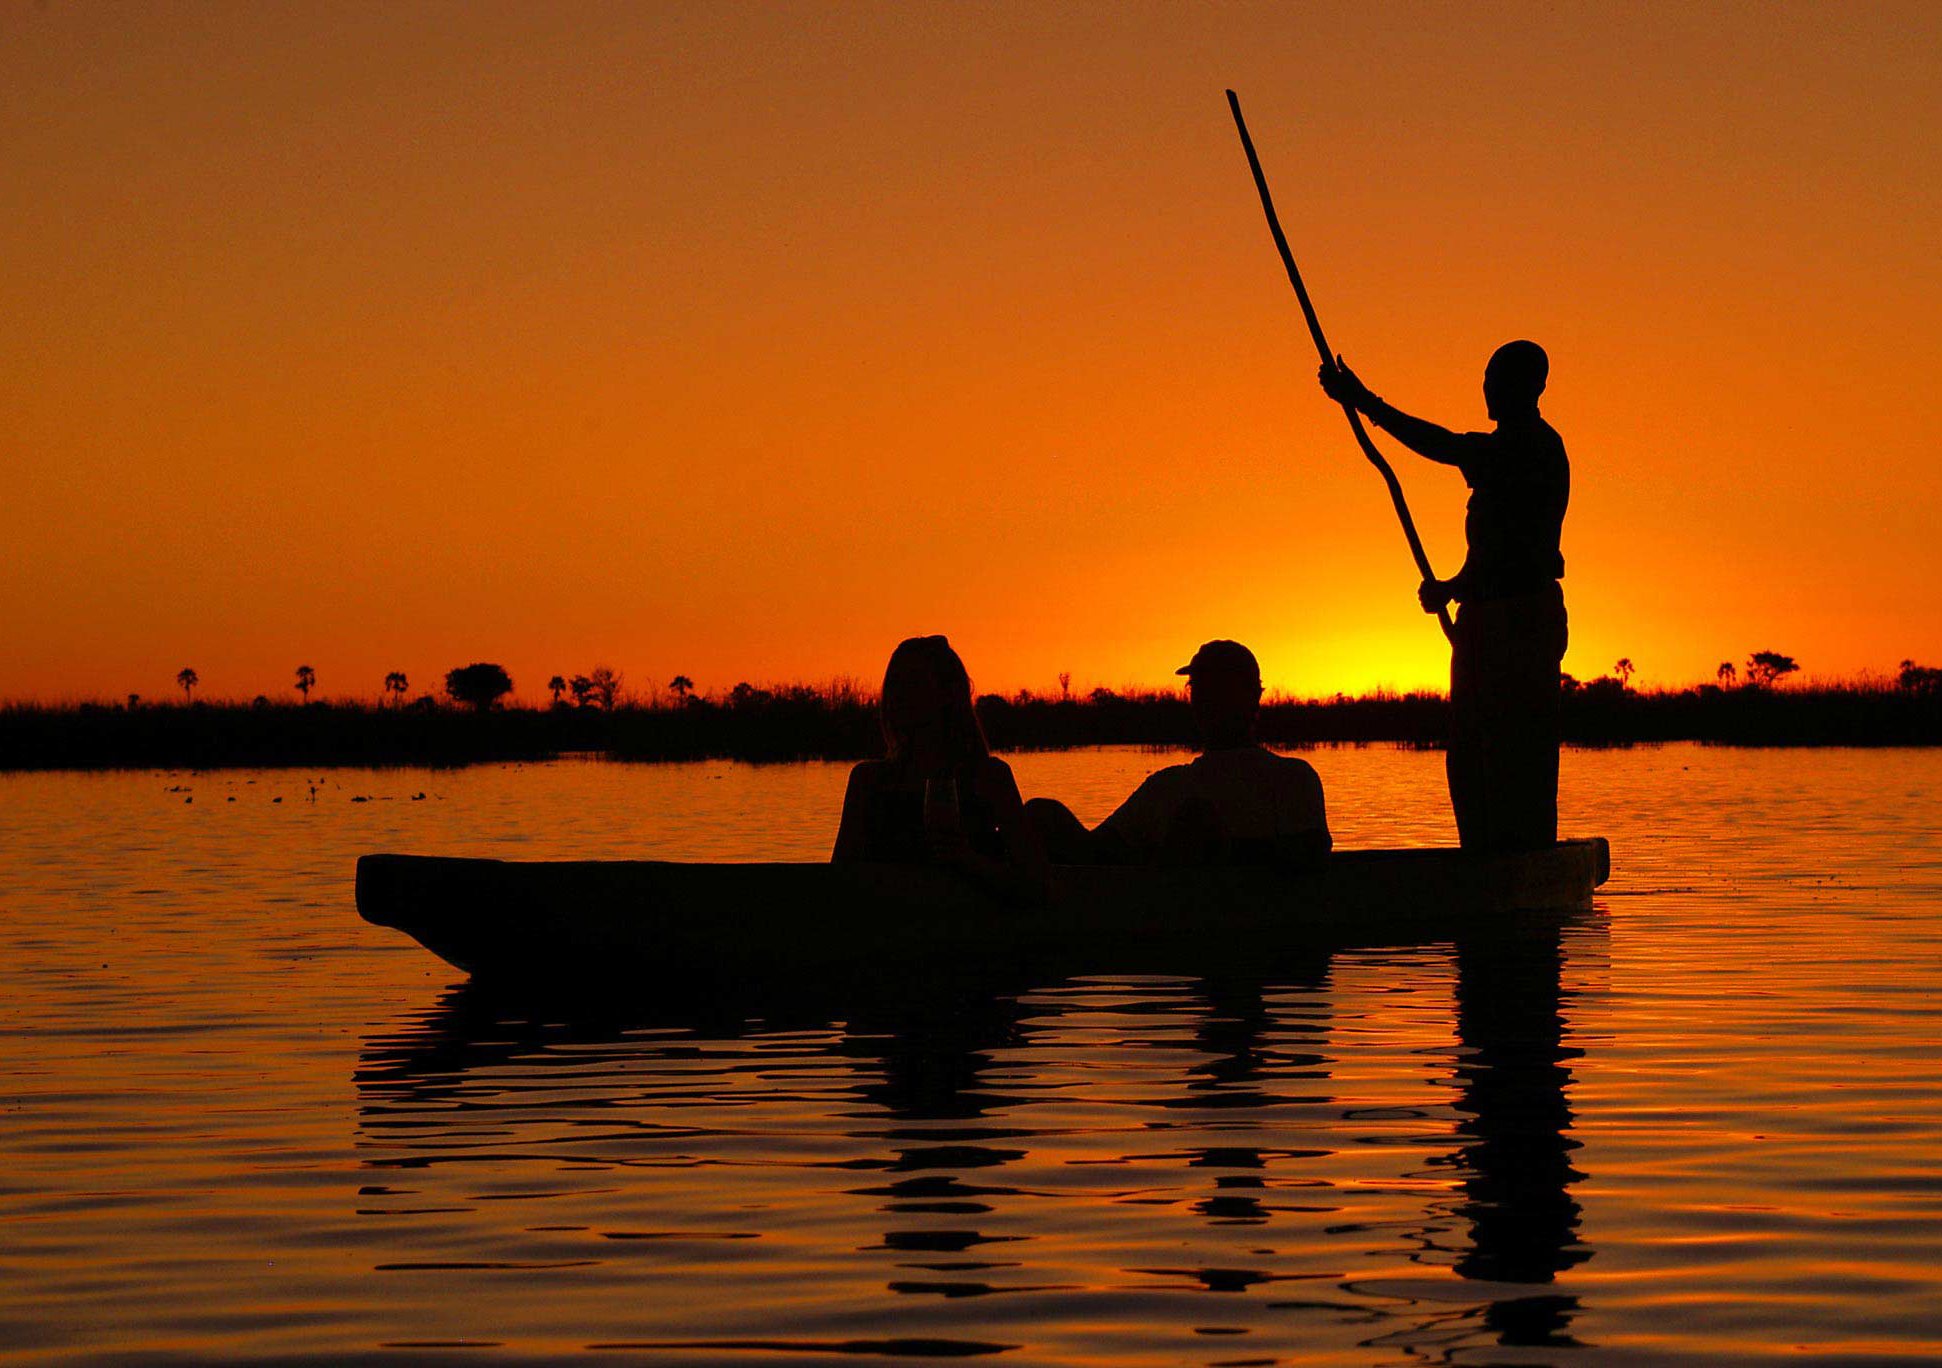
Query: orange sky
point(741, 341)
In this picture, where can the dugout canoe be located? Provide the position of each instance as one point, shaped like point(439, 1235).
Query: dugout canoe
point(602, 919)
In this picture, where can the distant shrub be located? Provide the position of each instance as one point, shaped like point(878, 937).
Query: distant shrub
point(603, 686)
point(1921, 679)
point(1764, 669)
point(479, 685)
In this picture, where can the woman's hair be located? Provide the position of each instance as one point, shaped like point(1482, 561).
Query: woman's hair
point(931, 657)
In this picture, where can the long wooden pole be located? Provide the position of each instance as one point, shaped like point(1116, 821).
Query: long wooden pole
point(1376, 458)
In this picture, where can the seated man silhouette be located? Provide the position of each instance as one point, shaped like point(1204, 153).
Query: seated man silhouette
point(1238, 803)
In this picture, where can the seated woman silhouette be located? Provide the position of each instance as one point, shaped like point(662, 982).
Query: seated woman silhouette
point(939, 796)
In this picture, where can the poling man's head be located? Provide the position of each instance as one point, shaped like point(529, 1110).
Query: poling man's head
point(1514, 379)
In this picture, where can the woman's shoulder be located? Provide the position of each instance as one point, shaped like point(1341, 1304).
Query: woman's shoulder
point(868, 775)
point(990, 774)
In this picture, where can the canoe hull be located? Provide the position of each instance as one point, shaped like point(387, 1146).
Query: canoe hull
point(606, 919)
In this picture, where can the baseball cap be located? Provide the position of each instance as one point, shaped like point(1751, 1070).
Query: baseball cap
point(1223, 658)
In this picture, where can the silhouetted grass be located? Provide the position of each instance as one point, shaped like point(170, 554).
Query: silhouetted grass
point(839, 722)
point(216, 735)
point(1146, 718)
point(1599, 714)
point(1835, 714)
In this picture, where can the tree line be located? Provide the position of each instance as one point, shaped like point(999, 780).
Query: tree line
point(484, 685)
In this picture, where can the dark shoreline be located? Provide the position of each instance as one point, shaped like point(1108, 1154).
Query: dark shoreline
point(808, 724)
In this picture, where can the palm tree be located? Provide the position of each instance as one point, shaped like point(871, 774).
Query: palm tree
point(188, 679)
point(1727, 674)
point(306, 681)
point(556, 686)
point(396, 683)
point(681, 686)
point(1624, 670)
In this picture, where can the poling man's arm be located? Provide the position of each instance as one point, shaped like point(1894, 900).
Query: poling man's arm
point(1425, 438)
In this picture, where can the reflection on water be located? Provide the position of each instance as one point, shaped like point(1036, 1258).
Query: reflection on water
point(1076, 1149)
point(239, 1125)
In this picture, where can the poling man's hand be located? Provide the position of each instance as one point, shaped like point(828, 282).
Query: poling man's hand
point(1343, 385)
point(1434, 595)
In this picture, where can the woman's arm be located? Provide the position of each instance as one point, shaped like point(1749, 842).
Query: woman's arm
point(1024, 875)
point(853, 831)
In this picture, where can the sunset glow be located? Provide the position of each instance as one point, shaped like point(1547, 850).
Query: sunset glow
point(379, 338)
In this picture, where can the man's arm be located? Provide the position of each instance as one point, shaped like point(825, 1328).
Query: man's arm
point(1309, 843)
point(1421, 436)
point(1132, 832)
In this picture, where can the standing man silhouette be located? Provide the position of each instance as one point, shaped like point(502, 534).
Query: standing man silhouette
point(1510, 625)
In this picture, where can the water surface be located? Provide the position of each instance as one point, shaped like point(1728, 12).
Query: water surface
point(239, 1125)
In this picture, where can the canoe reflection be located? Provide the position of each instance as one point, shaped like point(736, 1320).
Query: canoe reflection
point(961, 1110)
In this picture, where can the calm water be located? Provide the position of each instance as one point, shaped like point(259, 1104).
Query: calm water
point(238, 1124)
